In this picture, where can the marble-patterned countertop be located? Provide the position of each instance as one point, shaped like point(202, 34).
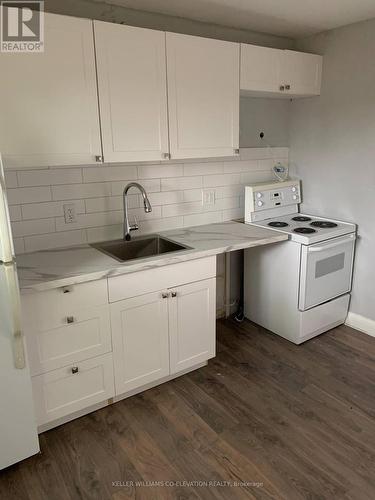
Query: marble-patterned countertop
point(58, 267)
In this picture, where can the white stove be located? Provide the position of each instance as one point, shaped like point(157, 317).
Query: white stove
point(301, 287)
point(307, 229)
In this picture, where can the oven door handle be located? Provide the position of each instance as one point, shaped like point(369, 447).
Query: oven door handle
point(352, 237)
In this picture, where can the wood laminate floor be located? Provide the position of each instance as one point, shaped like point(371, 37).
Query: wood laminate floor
point(265, 419)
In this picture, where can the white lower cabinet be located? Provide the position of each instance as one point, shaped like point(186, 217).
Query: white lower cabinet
point(192, 324)
point(61, 392)
point(91, 342)
point(162, 333)
point(140, 340)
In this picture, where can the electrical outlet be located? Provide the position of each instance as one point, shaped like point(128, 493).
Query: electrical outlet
point(208, 197)
point(70, 213)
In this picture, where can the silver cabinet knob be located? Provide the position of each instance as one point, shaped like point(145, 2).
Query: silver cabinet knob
point(174, 294)
point(99, 159)
point(165, 295)
point(166, 156)
point(282, 87)
point(75, 370)
point(70, 319)
point(287, 87)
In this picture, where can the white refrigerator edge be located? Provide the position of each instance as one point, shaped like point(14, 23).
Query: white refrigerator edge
point(18, 429)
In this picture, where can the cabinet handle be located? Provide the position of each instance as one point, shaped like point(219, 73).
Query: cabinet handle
point(66, 289)
point(70, 319)
point(99, 159)
point(75, 370)
point(236, 151)
point(287, 87)
point(165, 295)
point(282, 87)
point(166, 156)
point(174, 294)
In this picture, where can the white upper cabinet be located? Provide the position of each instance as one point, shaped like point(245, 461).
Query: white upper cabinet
point(48, 101)
point(203, 96)
point(260, 68)
point(131, 66)
point(301, 72)
point(279, 73)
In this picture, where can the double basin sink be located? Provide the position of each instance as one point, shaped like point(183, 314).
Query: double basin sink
point(139, 248)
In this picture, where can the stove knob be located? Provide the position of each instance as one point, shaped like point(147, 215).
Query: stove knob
point(259, 195)
point(295, 197)
point(294, 189)
point(260, 203)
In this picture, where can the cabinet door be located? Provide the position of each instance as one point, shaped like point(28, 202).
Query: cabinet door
point(203, 96)
point(192, 315)
point(260, 69)
point(48, 101)
point(140, 340)
point(132, 92)
point(303, 72)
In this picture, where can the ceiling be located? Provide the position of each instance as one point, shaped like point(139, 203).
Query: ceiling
point(291, 18)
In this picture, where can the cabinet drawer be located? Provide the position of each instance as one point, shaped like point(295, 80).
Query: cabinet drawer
point(50, 307)
point(152, 280)
point(55, 344)
point(62, 392)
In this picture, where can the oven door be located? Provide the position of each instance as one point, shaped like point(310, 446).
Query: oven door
point(326, 270)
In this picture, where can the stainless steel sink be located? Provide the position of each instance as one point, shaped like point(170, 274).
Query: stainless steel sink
point(138, 248)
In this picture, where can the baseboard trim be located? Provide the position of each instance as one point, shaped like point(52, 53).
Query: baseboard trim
point(361, 323)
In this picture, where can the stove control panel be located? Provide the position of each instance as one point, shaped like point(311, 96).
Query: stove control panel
point(267, 199)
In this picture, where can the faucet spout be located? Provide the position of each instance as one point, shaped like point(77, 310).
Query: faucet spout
point(146, 204)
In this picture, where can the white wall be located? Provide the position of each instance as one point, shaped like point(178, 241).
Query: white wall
point(332, 145)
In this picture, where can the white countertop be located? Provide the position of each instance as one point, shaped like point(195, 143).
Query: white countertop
point(58, 267)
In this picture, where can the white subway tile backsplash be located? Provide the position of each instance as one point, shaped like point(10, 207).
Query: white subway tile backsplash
point(110, 203)
point(221, 180)
point(28, 227)
point(10, 179)
point(192, 195)
point(45, 241)
point(240, 166)
point(48, 177)
point(29, 195)
point(200, 219)
point(160, 225)
point(182, 209)
point(150, 185)
point(74, 191)
point(19, 245)
point(165, 198)
point(233, 214)
point(90, 220)
point(37, 197)
point(181, 183)
point(105, 233)
point(110, 173)
point(191, 169)
point(49, 209)
point(159, 171)
point(15, 213)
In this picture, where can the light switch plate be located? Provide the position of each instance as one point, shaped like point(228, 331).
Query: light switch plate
point(70, 215)
point(208, 197)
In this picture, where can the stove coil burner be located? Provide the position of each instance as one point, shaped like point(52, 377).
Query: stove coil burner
point(301, 218)
point(304, 230)
point(323, 224)
point(278, 224)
